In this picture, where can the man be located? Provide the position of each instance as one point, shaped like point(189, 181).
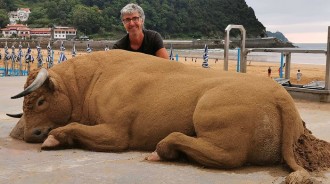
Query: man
point(269, 71)
point(139, 39)
point(299, 75)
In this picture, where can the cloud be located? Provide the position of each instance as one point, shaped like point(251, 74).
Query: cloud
point(296, 19)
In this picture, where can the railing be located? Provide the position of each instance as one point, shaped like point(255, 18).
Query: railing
point(287, 52)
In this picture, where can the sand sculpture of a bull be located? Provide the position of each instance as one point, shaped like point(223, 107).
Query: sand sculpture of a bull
point(118, 100)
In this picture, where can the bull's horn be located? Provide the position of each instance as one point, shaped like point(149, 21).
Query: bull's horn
point(15, 115)
point(38, 81)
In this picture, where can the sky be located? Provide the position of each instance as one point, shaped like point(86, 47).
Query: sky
point(301, 21)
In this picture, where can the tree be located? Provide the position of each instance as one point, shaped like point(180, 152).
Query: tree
point(171, 18)
point(4, 19)
point(35, 16)
point(87, 19)
point(8, 5)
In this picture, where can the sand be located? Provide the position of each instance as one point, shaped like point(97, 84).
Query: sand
point(308, 147)
point(309, 72)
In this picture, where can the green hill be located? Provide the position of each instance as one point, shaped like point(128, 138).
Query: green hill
point(277, 35)
point(172, 18)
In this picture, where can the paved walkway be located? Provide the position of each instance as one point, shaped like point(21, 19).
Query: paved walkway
point(26, 163)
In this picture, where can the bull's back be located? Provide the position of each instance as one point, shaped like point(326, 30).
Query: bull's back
point(155, 97)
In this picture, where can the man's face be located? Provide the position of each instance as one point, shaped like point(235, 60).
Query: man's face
point(133, 23)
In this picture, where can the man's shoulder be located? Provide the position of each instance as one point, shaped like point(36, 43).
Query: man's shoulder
point(150, 32)
point(122, 43)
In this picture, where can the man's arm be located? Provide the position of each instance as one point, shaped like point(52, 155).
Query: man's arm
point(162, 53)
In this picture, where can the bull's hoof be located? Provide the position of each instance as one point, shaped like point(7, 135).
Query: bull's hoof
point(50, 142)
point(299, 177)
point(153, 157)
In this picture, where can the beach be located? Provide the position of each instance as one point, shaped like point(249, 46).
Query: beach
point(310, 72)
point(81, 166)
point(22, 163)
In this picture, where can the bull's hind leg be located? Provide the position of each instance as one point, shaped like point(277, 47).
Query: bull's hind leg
point(200, 150)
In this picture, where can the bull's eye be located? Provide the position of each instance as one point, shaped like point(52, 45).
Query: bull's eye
point(40, 101)
point(40, 104)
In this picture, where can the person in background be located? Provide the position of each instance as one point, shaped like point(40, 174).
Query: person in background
point(139, 39)
point(269, 71)
point(299, 75)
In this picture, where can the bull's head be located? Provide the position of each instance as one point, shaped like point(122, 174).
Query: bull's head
point(45, 107)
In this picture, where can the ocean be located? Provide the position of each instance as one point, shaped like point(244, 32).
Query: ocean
point(299, 58)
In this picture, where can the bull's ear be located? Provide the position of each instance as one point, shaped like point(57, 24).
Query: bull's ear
point(51, 84)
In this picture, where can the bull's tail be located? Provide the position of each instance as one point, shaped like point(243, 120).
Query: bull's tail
point(293, 128)
point(301, 151)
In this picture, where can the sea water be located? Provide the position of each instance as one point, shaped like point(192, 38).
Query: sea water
point(299, 58)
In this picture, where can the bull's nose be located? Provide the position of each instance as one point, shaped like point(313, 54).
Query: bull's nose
point(38, 135)
point(37, 132)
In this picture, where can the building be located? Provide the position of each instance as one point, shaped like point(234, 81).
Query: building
point(40, 32)
point(18, 30)
point(22, 14)
point(64, 33)
point(23, 31)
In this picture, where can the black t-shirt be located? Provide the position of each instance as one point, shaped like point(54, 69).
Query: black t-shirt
point(152, 42)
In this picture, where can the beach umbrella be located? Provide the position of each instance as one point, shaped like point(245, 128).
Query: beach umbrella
point(39, 57)
point(74, 51)
point(89, 49)
point(171, 53)
point(19, 58)
point(50, 56)
point(13, 59)
point(62, 54)
point(28, 58)
point(6, 58)
point(205, 63)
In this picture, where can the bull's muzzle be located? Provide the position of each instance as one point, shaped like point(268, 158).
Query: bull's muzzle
point(37, 135)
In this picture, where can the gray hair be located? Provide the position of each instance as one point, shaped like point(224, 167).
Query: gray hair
point(132, 8)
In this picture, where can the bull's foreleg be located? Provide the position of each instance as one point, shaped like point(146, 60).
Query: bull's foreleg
point(101, 137)
point(198, 149)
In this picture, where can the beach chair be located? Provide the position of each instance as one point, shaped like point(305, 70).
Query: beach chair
point(315, 85)
point(283, 81)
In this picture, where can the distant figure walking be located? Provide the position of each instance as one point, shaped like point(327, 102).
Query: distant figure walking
point(269, 71)
point(106, 48)
point(299, 75)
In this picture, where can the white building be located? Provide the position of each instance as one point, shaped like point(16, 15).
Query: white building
point(64, 33)
point(22, 14)
point(19, 30)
